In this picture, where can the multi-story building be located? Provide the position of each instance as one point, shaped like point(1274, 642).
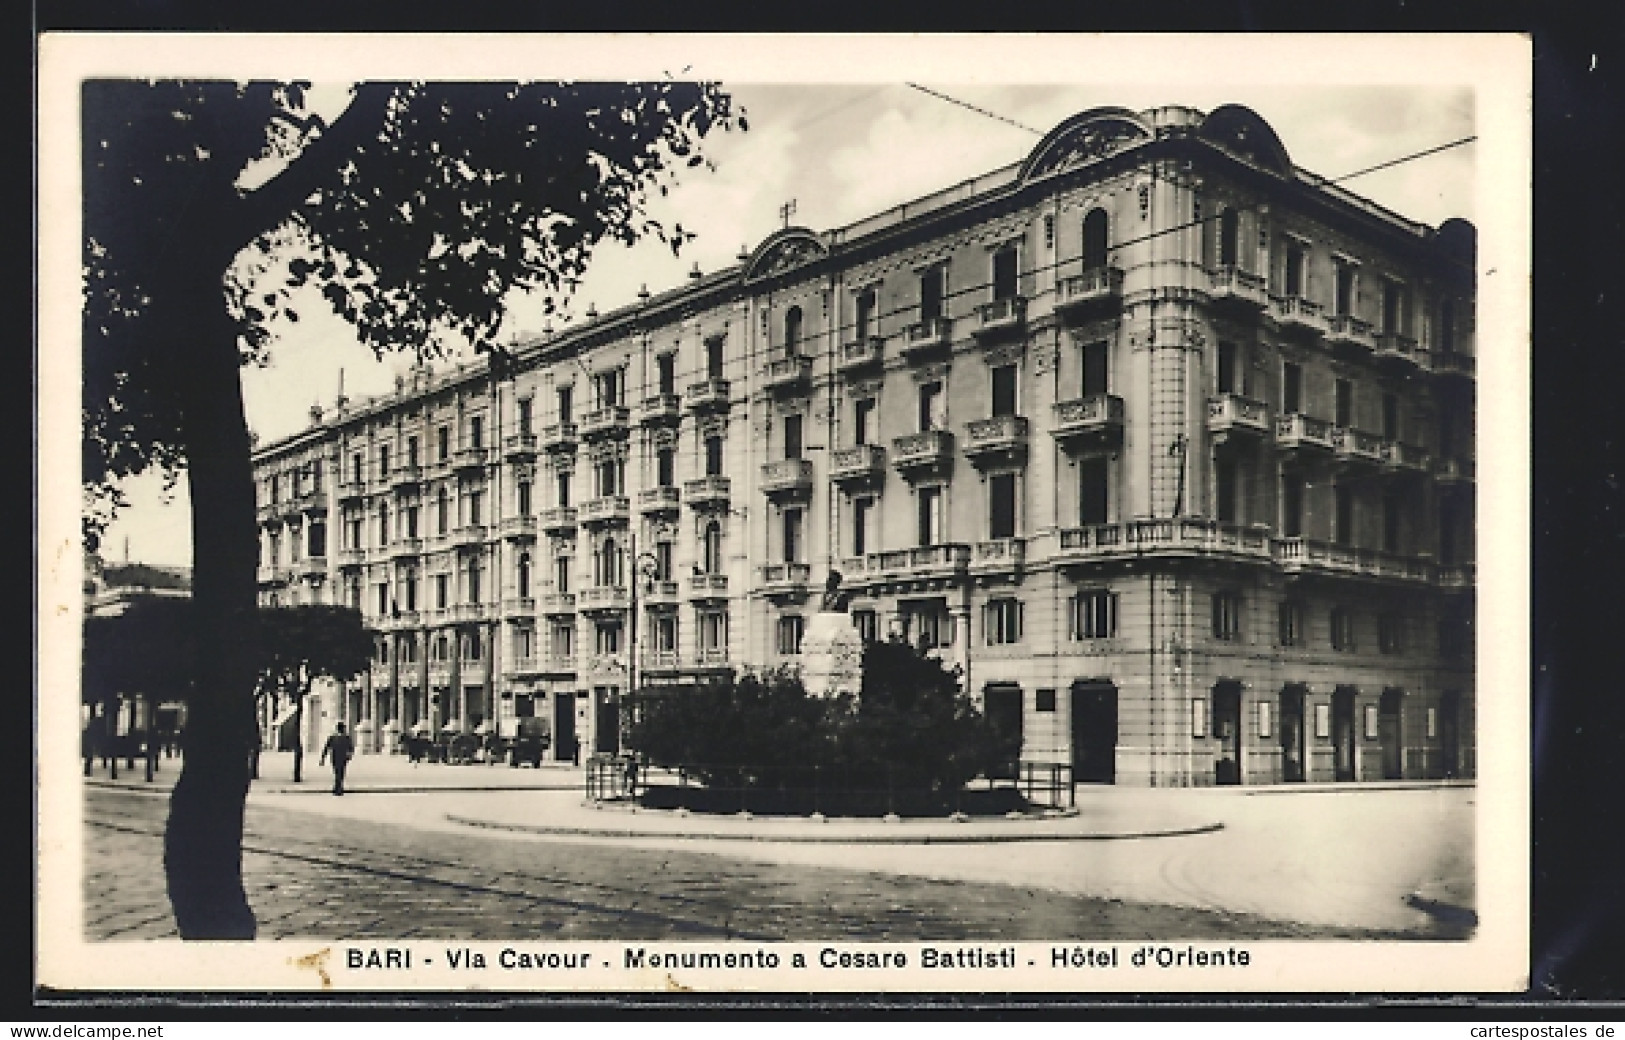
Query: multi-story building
point(1165, 442)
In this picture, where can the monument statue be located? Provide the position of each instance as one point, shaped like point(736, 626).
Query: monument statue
point(834, 598)
point(831, 649)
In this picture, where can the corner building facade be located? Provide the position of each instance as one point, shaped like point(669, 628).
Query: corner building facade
point(1165, 442)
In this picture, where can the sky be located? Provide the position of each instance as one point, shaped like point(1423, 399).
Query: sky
point(846, 150)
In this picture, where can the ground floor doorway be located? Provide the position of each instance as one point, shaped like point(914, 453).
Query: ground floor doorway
point(1227, 728)
point(1094, 733)
point(607, 731)
point(564, 726)
point(1002, 703)
point(1343, 732)
point(1292, 734)
point(1390, 732)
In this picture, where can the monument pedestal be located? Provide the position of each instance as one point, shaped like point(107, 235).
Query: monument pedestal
point(831, 655)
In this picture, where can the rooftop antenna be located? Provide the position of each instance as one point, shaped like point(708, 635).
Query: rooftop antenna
point(342, 400)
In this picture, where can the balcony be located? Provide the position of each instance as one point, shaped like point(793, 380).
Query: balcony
point(602, 599)
point(1297, 313)
point(1000, 318)
point(435, 616)
point(659, 662)
point(1299, 556)
point(926, 451)
point(405, 477)
point(712, 659)
point(311, 503)
point(703, 587)
point(1300, 433)
point(518, 606)
point(998, 556)
point(470, 613)
point(658, 501)
point(270, 514)
point(1457, 577)
point(1356, 449)
point(1451, 365)
point(1452, 472)
point(465, 460)
point(352, 490)
point(402, 621)
point(1000, 440)
point(311, 568)
point(1230, 285)
point(708, 396)
point(1090, 294)
point(558, 602)
point(519, 447)
point(785, 579)
point(351, 558)
point(611, 421)
point(1166, 537)
point(469, 536)
point(788, 375)
point(861, 354)
point(927, 339)
point(605, 509)
point(707, 492)
point(1231, 415)
point(1399, 352)
point(661, 410)
point(787, 478)
point(949, 561)
point(1406, 460)
point(1089, 423)
point(559, 520)
point(859, 464)
point(1349, 334)
point(660, 594)
point(519, 528)
point(405, 548)
point(560, 437)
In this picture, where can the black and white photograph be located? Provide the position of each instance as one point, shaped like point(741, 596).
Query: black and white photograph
point(784, 513)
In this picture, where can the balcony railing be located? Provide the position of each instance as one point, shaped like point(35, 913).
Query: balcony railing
point(350, 490)
point(1350, 333)
point(1296, 555)
point(1095, 421)
point(312, 503)
point(311, 567)
point(1450, 364)
point(948, 560)
point(517, 446)
point(351, 557)
point(1403, 350)
point(405, 547)
point(1356, 448)
point(861, 353)
point(659, 594)
point(999, 554)
point(470, 612)
point(1452, 471)
point(606, 509)
point(1230, 284)
point(857, 464)
point(707, 492)
point(558, 602)
point(1001, 317)
point(1404, 458)
point(407, 475)
point(270, 514)
point(559, 519)
point(470, 458)
point(711, 657)
point(1230, 414)
point(1296, 312)
point(1097, 289)
point(658, 500)
point(519, 528)
point(1170, 536)
point(788, 374)
point(927, 338)
point(923, 450)
point(660, 661)
point(610, 421)
point(603, 598)
point(709, 396)
point(519, 605)
point(559, 437)
point(707, 586)
point(1299, 432)
point(785, 578)
point(469, 536)
point(787, 477)
point(661, 410)
point(1456, 576)
point(1001, 438)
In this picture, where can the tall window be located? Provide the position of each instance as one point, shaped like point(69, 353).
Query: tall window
point(666, 467)
point(1343, 288)
point(862, 516)
point(1224, 490)
point(1390, 522)
point(1343, 404)
point(666, 373)
point(867, 624)
point(383, 526)
point(1390, 417)
point(1229, 368)
point(930, 515)
point(1290, 623)
point(1001, 488)
point(792, 520)
point(792, 332)
point(561, 574)
point(1447, 327)
point(524, 417)
point(1093, 356)
point(931, 292)
point(383, 460)
point(711, 548)
point(933, 413)
point(863, 319)
point(562, 486)
point(713, 630)
point(409, 590)
point(1391, 633)
point(1229, 238)
point(475, 513)
point(1003, 379)
point(1094, 614)
point(522, 497)
point(1093, 491)
point(475, 573)
point(442, 590)
point(665, 629)
point(1296, 258)
point(1291, 388)
point(607, 387)
point(1343, 520)
point(1342, 626)
point(792, 436)
point(606, 564)
point(713, 358)
point(790, 629)
point(566, 394)
point(442, 443)
point(1291, 505)
point(1001, 622)
point(931, 627)
point(561, 639)
point(355, 474)
point(476, 431)
point(1095, 239)
point(522, 575)
point(1227, 615)
point(663, 556)
point(1004, 273)
point(713, 456)
point(607, 635)
point(1393, 306)
point(863, 420)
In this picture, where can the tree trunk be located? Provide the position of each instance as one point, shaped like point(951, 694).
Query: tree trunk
point(298, 739)
point(203, 840)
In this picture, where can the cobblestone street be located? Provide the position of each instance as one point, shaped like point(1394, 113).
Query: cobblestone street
point(317, 875)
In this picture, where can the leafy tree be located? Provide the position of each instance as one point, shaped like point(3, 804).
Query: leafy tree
point(415, 212)
point(140, 652)
point(300, 644)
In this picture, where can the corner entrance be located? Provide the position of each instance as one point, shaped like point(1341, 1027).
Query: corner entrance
point(1094, 733)
point(1390, 731)
point(1227, 728)
point(1292, 734)
point(1343, 733)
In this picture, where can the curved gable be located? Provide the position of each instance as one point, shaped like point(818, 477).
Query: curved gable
point(1085, 137)
point(783, 250)
point(1243, 133)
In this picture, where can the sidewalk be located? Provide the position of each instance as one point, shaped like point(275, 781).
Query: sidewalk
point(368, 774)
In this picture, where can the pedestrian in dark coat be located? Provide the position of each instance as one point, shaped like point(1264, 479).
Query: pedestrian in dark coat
point(341, 747)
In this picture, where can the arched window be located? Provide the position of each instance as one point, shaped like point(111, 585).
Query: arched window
point(1094, 239)
point(524, 575)
point(792, 332)
point(712, 548)
point(1229, 238)
point(442, 511)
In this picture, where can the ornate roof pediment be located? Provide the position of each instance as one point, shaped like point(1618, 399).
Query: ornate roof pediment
point(1243, 133)
point(784, 250)
point(1084, 138)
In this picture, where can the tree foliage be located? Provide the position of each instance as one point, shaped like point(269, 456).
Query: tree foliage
point(140, 652)
point(310, 641)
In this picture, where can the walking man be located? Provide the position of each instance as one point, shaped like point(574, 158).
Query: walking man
point(341, 747)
